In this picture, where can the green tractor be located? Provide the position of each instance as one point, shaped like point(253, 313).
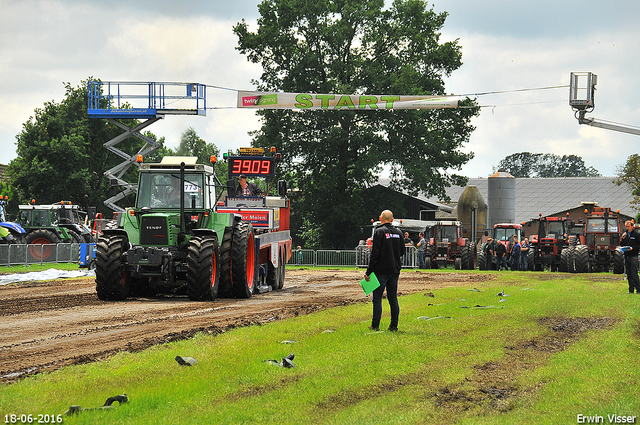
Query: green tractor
point(175, 241)
point(53, 224)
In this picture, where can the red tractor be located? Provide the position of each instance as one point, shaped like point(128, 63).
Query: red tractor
point(597, 248)
point(548, 247)
point(447, 246)
point(501, 232)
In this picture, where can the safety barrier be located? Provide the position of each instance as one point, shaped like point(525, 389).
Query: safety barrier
point(358, 257)
point(16, 254)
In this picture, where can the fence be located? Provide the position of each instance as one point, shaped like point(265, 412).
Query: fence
point(358, 257)
point(15, 254)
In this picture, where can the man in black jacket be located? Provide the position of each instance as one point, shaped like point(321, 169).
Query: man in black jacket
point(386, 261)
point(247, 189)
point(631, 238)
point(501, 251)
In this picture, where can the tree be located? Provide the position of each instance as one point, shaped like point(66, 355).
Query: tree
point(526, 164)
point(60, 153)
point(193, 145)
point(629, 174)
point(339, 46)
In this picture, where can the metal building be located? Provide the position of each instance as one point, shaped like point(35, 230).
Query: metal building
point(502, 198)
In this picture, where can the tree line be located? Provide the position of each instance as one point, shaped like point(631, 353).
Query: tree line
point(331, 159)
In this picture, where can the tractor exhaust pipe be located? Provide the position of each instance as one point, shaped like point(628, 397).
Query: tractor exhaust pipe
point(183, 230)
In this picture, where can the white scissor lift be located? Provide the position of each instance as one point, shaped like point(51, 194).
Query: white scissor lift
point(147, 101)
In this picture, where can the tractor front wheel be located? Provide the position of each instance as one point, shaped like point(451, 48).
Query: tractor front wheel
point(112, 283)
point(566, 258)
point(581, 259)
point(203, 273)
point(618, 261)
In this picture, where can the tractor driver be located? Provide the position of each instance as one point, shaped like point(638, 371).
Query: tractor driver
point(173, 199)
point(247, 189)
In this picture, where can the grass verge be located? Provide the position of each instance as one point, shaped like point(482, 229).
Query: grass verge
point(37, 267)
point(551, 348)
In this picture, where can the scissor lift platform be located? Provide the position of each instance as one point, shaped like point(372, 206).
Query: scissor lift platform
point(140, 100)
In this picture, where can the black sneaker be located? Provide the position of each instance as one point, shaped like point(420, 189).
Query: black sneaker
point(373, 328)
point(392, 329)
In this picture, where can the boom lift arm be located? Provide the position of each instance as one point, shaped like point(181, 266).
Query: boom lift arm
point(581, 99)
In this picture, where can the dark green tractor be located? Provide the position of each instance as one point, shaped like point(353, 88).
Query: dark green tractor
point(170, 241)
point(53, 224)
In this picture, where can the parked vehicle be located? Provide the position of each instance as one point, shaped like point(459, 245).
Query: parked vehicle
point(10, 232)
point(52, 224)
point(548, 244)
point(501, 232)
point(446, 246)
point(597, 248)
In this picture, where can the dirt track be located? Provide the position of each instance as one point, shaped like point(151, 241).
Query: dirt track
point(48, 325)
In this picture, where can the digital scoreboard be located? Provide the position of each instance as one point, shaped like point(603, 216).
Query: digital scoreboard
point(251, 166)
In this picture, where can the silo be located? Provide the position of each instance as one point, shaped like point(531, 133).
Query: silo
point(472, 212)
point(502, 198)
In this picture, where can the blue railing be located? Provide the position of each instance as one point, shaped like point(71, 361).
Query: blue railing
point(126, 99)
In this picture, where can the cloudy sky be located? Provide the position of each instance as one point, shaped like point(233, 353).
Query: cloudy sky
point(507, 46)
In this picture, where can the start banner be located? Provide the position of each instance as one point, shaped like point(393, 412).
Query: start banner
point(266, 100)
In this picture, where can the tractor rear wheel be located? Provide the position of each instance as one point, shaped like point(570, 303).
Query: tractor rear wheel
point(225, 289)
point(203, 273)
point(482, 261)
point(243, 260)
point(42, 237)
point(112, 283)
point(618, 261)
point(581, 258)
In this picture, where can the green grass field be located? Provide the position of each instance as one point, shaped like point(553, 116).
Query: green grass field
point(553, 348)
point(37, 267)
